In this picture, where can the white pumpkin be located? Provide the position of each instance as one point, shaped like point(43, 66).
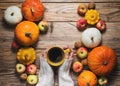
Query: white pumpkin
point(91, 37)
point(13, 15)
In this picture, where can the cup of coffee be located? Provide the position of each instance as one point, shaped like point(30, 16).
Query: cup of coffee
point(56, 55)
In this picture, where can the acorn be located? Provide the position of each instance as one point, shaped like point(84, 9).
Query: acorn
point(84, 62)
point(23, 76)
point(77, 44)
point(91, 5)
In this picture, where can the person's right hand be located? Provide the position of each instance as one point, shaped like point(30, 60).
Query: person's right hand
point(46, 75)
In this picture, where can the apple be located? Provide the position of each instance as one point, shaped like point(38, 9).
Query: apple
point(23, 76)
point(13, 15)
point(82, 9)
point(101, 25)
point(31, 69)
point(20, 68)
point(82, 52)
point(32, 79)
point(43, 26)
point(102, 81)
point(15, 45)
point(82, 24)
point(77, 67)
point(77, 44)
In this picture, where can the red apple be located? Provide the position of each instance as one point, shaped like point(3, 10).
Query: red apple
point(31, 69)
point(15, 45)
point(77, 67)
point(20, 68)
point(101, 25)
point(82, 24)
point(82, 52)
point(82, 9)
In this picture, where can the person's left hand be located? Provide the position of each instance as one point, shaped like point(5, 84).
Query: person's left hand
point(64, 76)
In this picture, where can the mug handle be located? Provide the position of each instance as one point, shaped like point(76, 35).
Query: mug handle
point(66, 50)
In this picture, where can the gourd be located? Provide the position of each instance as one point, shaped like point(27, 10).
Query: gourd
point(33, 10)
point(87, 78)
point(26, 33)
point(26, 56)
point(13, 15)
point(101, 60)
point(92, 16)
point(91, 37)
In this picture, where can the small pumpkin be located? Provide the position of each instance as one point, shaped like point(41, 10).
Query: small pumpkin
point(27, 33)
point(26, 56)
point(87, 78)
point(13, 15)
point(91, 37)
point(92, 16)
point(33, 10)
point(101, 60)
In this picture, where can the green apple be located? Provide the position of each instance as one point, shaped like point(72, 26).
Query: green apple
point(82, 52)
point(20, 68)
point(43, 26)
point(32, 79)
point(102, 81)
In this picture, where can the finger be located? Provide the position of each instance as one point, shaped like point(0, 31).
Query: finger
point(67, 55)
point(71, 54)
point(44, 54)
point(65, 47)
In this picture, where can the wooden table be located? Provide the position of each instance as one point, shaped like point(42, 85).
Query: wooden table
point(62, 16)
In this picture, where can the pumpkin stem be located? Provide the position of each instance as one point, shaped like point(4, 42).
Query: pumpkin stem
point(87, 84)
point(105, 62)
point(32, 10)
point(26, 56)
point(92, 39)
point(27, 34)
point(12, 14)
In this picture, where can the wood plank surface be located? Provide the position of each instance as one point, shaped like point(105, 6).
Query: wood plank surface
point(64, 1)
point(68, 11)
point(62, 17)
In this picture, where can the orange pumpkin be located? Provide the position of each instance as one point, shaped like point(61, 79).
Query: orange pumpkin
point(33, 10)
point(26, 33)
point(101, 60)
point(87, 78)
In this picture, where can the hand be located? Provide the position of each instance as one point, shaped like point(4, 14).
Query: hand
point(64, 75)
point(46, 75)
point(68, 55)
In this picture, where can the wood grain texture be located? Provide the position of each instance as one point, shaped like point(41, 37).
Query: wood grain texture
point(62, 31)
point(68, 11)
point(64, 1)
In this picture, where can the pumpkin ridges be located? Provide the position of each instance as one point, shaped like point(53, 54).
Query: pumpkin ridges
point(97, 58)
point(26, 51)
point(87, 77)
point(32, 10)
point(24, 27)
